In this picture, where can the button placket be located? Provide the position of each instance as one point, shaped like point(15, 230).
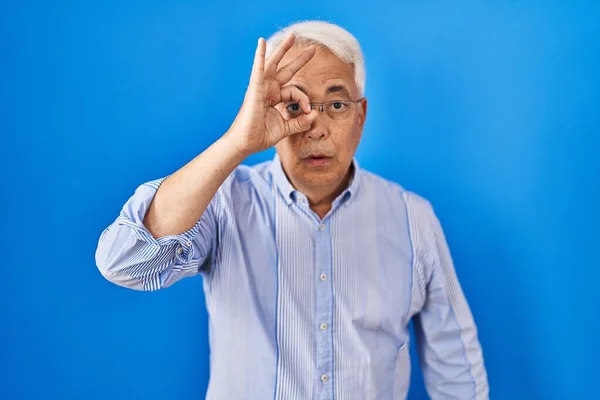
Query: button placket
point(324, 307)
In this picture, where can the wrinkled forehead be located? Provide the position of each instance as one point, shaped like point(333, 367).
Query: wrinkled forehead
point(324, 76)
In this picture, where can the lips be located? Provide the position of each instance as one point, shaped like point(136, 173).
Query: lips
point(317, 159)
point(316, 156)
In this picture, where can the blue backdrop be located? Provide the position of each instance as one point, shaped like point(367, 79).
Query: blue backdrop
point(490, 110)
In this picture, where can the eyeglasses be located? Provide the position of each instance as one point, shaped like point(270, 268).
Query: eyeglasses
point(337, 110)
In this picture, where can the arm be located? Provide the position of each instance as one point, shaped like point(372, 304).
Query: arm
point(166, 231)
point(449, 350)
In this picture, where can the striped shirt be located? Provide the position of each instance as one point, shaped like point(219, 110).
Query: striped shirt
point(307, 308)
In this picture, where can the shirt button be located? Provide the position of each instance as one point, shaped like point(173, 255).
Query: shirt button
point(323, 276)
point(188, 243)
point(179, 250)
point(322, 227)
point(324, 378)
point(323, 327)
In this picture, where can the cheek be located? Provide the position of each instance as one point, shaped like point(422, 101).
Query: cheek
point(346, 141)
point(285, 144)
point(355, 137)
point(287, 147)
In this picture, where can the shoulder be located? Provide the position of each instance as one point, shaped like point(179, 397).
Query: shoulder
point(414, 203)
point(417, 211)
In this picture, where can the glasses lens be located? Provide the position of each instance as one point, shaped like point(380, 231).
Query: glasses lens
point(338, 109)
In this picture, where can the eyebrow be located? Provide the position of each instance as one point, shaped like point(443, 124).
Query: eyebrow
point(331, 89)
point(338, 89)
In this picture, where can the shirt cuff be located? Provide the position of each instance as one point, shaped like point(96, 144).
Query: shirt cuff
point(133, 214)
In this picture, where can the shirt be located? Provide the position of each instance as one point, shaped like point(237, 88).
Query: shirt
point(307, 308)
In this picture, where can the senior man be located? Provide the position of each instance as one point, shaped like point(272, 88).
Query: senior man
point(312, 267)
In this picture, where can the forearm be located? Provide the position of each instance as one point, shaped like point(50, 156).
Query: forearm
point(184, 196)
point(451, 356)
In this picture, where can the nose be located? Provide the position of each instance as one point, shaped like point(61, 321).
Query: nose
point(316, 134)
point(318, 129)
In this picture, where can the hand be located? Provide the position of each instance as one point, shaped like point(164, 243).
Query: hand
point(259, 125)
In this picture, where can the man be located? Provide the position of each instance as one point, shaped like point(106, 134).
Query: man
point(313, 268)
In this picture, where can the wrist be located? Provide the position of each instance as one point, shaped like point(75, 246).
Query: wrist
point(232, 147)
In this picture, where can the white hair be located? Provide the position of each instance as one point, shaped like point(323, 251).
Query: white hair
point(333, 37)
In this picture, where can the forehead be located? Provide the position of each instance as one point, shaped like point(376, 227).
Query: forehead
point(323, 71)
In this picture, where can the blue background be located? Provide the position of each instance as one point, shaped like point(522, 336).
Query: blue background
point(488, 109)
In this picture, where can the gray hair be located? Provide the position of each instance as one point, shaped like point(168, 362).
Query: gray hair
point(333, 37)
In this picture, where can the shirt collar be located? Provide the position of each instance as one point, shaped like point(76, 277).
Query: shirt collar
point(290, 194)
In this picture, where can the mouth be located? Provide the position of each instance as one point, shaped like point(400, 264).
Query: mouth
point(317, 159)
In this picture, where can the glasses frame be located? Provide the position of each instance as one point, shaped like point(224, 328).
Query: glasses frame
point(321, 105)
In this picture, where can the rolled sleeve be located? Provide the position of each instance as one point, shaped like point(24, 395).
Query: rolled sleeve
point(128, 255)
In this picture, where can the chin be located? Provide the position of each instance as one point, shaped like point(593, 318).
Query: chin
point(320, 177)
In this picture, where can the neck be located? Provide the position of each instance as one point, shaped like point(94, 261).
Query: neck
point(321, 198)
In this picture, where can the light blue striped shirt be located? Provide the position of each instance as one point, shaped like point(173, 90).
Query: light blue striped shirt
point(303, 308)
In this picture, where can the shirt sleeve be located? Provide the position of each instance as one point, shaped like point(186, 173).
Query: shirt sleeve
point(129, 256)
point(450, 354)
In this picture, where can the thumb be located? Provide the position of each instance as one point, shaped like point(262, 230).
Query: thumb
point(300, 124)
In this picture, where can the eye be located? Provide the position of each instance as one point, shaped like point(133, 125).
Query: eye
point(338, 106)
point(293, 108)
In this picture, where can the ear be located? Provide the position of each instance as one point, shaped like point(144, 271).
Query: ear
point(362, 117)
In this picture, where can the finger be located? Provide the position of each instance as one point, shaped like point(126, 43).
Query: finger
point(289, 70)
point(258, 68)
point(300, 124)
point(278, 54)
point(292, 93)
